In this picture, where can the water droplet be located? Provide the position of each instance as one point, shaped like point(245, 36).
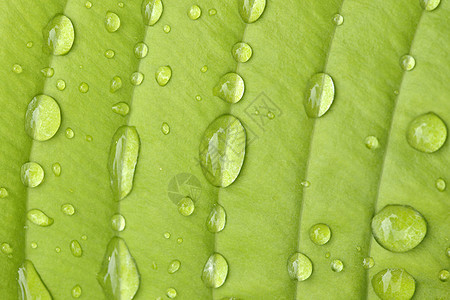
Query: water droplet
point(88, 4)
point(198, 98)
point(118, 222)
point(230, 88)
point(60, 84)
point(167, 28)
point(180, 240)
point(399, 228)
point(115, 84)
point(109, 53)
point(69, 133)
point(31, 174)
point(371, 142)
point(338, 19)
point(217, 219)
point(34, 245)
point(165, 128)
point(320, 234)
point(299, 267)
point(251, 10)
point(167, 235)
point(305, 183)
point(173, 266)
point(112, 22)
point(151, 11)
point(215, 271)
point(320, 95)
point(6, 248)
point(242, 52)
point(38, 217)
point(84, 87)
point(407, 62)
point(337, 265)
point(48, 72)
point(59, 35)
point(29, 44)
point(427, 133)
point(186, 206)
point(368, 262)
point(327, 255)
point(194, 12)
point(3, 193)
point(140, 50)
point(212, 12)
point(76, 291)
point(42, 118)
point(429, 5)
point(222, 150)
point(121, 108)
point(358, 248)
point(154, 266)
point(57, 250)
point(123, 157)
point(136, 78)
point(204, 69)
point(171, 293)
point(17, 68)
point(89, 138)
point(396, 92)
point(84, 237)
point(444, 275)
point(441, 184)
point(163, 75)
point(30, 283)
point(76, 249)
point(393, 284)
point(68, 209)
point(121, 4)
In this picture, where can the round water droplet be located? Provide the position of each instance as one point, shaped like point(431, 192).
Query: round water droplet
point(140, 50)
point(6, 248)
point(89, 138)
point(305, 183)
point(34, 245)
point(407, 62)
point(121, 108)
point(84, 87)
point(136, 78)
point(171, 293)
point(166, 28)
point(251, 10)
point(167, 235)
point(84, 237)
point(31, 174)
point(320, 95)
point(429, 5)
point(242, 52)
point(17, 68)
point(59, 35)
point(212, 12)
point(88, 4)
point(204, 69)
point(151, 11)
point(337, 265)
point(230, 88)
point(320, 234)
point(115, 84)
point(399, 228)
point(38, 217)
point(198, 98)
point(180, 240)
point(68, 209)
point(186, 206)
point(76, 249)
point(372, 142)
point(112, 22)
point(60, 84)
point(118, 222)
point(368, 262)
point(299, 267)
point(394, 284)
point(194, 12)
point(338, 19)
point(427, 133)
point(217, 219)
point(173, 266)
point(48, 72)
point(165, 128)
point(76, 291)
point(42, 118)
point(70, 133)
point(29, 44)
point(57, 250)
point(270, 115)
point(121, 4)
point(327, 255)
point(441, 184)
point(109, 53)
point(215, 271)
point(444, 275)
point(163, 75)
point(3, 193)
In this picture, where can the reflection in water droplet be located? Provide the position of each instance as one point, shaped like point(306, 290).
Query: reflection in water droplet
point(393, 284)
point(69, 133)
point(60, 84)
point(444, 275)
point(112, 22)
point(337, 265)
point(407, 62)
point(76, 249)
point(167, 235)
point(338, 19)
point(118, 222)
point(68, 209)
point(31, 174)
point(109, 53)
point(30, 283)
point(42, 118)
point(242, 52)
point(165, 128)
point(372, 142)
point(427, 133)
point(230, 88)
point(3, 193)
point(320, 234)
point(38, 217)
point(167, 28)
point(212, 12)
point(76, 291)
point(251, 10)
point(171, 293)
point(163, 75)
point(320, 95)
point(215, 271)
point(140, 50)
point(368, 262)
point(6, 248)
point(173, 266)
point(186, 206)
point(84, 87)
point(299, 267)
point(17, 68)
point(136, 78)
point(121, 108)
point(151, 11)
point(59, 35)
point(429, 5)
point(194, 12)
point(441, 184)
point(115, 84)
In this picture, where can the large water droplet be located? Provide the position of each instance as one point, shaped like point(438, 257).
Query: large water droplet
point(48, 72)
point(76, 291)
point(399, 228)
point(194, 12)
point(440, 184)
point(368, 262)
point(76, 249)
point(444, 275)
point(151, 11)
point(320, 234)
point(407, 62)
point(121, 108)
point(394, 284)
point(217, 219)
point(59, 35)
point(230, 88)
point(299, 267)
point(30, 283)
point(115, 84)
point(118, 222)
point(112, 22)
point(320, 95)
point(43, 118)
point(337, 265)
point(119, 275)
point(140, 50)
point(3, 193)
point(186, 206)
point(31, 174)
point(122, 161)
point(429, 5)
point(215, 271)
point(38, 217)
point(242, 52)
point(68, 209)
point(174, 266)
point(251, 10)
point(427, 133)
point(136, 78)
point(163, 75)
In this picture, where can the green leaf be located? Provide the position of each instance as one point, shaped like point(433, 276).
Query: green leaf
point(269, 212)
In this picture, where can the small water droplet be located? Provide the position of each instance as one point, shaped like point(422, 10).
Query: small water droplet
point(338, 19)
point(42, 118)
point(121, 108)
point(115, 84)
point(84, 87)
point(17, 68)
point(320, 234)
point(396, 92)
point(109, 53)
point(186, 206)
point(204, 69)
point(151, 11)
point(57, 250)
point(136, 78)
point(163, 75)
point(167, 235)
point(372, 142)
point(68, 209)
point(427, 133)
point(327, 255)
point(171, 293)
point(194, 12)
point(368, 262)
point(217, 219)
point(59, 35)
point(121, 4)
point(29, 44)
point(165, 128)
point(242, 52)
point(441, 184)
point(299, 267)
point(198, 98)
point(180, 240)
point(38, 217)
point(70, 133)
point(140, 50)
point(407, 62)
point(34, 245)
point(444, 275)
point(215, 271)
point(89, 138)
point(230, 88)
point(337, 265)
point(7, 249)
point(31, 174)
point(305, 183)
point(154, 266)
point(166, 28)
point(3, 193)
point(60, 84)
point(118, 222)
point(173, 266)
point(84, 237)
point(429, 5)
point(48, 72)
point(393, 284)
point(112, 22)
point(212, 12)
point(270, 115)
point(76, 291)
point(88, 4)
point(251, 10)
point(30, 283)
point(358, 248)
point(76, 249)
point(320, 95)
point(399, 228)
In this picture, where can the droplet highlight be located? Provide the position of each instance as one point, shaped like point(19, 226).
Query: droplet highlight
point(368, 262)
point(429, 5)
point(76, 249)
point(165, 128)
point(76, 291)
point(444, 275)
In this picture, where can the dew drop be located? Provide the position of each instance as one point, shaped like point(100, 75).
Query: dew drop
point(407, 62)
point(31, 174)
point(118, 222)
point(444, 275)
point(427, 133)
point(251, 10)
point(212, 12)
point(173, 266)
point(241, 52)
point(76, 291)
point(57, 250)
point(154, 266)
point(305, 183)
point(84, 237)
point(70, 133)
point(48, 72)
point(42, 118)
point(186, 206)
point(399, 228)
point(140, 50)
point(6, 249)
point(299, 267)
point(429, 5)
point(320, 234)
point(60, 84)
point(165, 128)
point(34, 245)
point(112, 22)
point(327, 255)
point(320, 95)
point(171, 293)
point(151, 11)
point(29, 44)
point(136, 78)
point(166, 28)
point(198, 98)
point(109, 53)
point(17, 68)
point(30, 283)
point(393, 284)
point(89, 138)
point(441, 184)
point(76, 249)
point(194, 12)
point(372, 142)
point(38, 217)
point(123, 157)
point(3, 193)
point(163, 75)
point(368, 262)
point(68, 209)
point(115, 84)
point(337, 265)
point(121, 4)
point(215, 271)
point(88, 4)
point(121, 108)
point(204, 69)
point(84, 87)
point(230, 88)
point(59, 35)
point(338, 19)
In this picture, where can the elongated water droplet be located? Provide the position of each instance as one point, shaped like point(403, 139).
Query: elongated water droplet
point(165, 128)
point(118, 222)
point(299, 267)
point(112, 22)
point(140, 50)
point(337, 265)
point(136, 78)
point(230, 88)
point(215, 271)
point(441, 184)
point(83, 88)
point(59, 35)
point(204, 69)
point(115, 84)
point(76, 249)
point(338, 19)
point(123, 157)
point(38, 217)
point(427, 133)
point(372, 142)
point(251, 10)
point(368, 262)
point(171, 293)
point(320, 95)
point(56, 168)
point(166, 28)
point(194, 12)
point(48, 72)
point(429, 5)
point(109, 53)
point(217, 219)
point(399, 228)
point(407, 62)
point(42, 118)
point(394, 284)
point(242, 52)
point(3, 193)
point(444, 275)
point(119, 275)
point(121, 108)
point(151, 11)
point(17, 68)
point(76, 291)
point(163, 75)
point(31, 174)
point(6, 248)
point(320, 234)
point(70, 133)
point(186, 206)
point(174, 266)
point(30, 283)
point(61, 85)
point(68, 209)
